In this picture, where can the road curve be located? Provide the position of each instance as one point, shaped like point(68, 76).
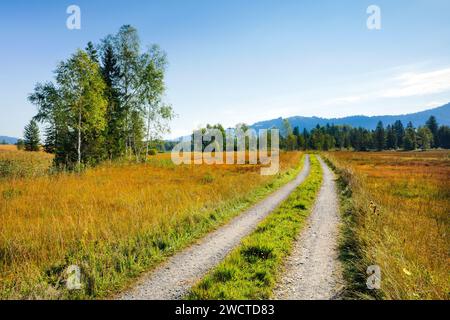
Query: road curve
point(173, 279)
point(312, 271)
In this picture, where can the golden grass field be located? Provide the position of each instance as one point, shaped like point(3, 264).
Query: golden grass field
point(114, 221)
point(401, 206)
point(16, 164)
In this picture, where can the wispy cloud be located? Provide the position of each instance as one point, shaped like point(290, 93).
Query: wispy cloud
point(419, 83)
point(400, 85)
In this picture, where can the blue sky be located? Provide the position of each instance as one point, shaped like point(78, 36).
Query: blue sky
point(248, 60)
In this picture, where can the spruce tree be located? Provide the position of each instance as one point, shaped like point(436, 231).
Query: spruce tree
point(115, 116)
point(391, 138)
point(92, 52)
point(444, 137)
point(399, 132)
point(433, 126)
point(380, 136)
point(31, 136)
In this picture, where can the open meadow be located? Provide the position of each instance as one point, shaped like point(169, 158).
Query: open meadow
point(114, 221)
point(20, 164)
point(396, 208)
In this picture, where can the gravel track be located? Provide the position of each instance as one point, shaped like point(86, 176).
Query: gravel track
point(312, 271)
point(173, 279)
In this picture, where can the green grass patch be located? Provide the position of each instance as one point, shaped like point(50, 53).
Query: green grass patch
point(250, 271)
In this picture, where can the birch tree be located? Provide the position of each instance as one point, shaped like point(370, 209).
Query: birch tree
point(82, 87)
point(152, 69)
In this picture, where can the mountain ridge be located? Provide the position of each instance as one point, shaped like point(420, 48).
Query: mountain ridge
point(9, 140)
point(441, 113)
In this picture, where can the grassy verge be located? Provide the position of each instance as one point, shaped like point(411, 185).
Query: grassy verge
point(250, 271)
point(395, 214)
point(350, 251)
point(111, 261)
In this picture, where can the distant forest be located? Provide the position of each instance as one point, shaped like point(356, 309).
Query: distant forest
point(392, 137)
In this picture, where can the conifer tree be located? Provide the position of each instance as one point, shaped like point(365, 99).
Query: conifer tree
point(31, 136)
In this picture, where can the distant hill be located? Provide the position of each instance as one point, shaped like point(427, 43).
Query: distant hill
point(442, 115)
point(9, 140)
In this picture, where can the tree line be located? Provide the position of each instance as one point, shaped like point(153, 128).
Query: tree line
point(106, 102)
point(392, 137)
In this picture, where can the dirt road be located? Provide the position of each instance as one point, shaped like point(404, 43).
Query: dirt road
point(312, 272)
point(173, 279)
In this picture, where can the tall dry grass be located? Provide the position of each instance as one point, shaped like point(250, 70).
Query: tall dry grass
point(400, 207)
point(19, 164)
point(116, 220)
